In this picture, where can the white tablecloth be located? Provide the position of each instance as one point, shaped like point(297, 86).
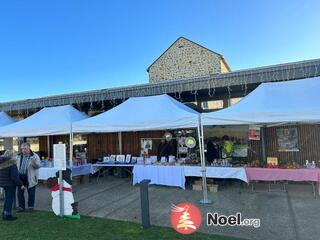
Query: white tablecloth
point(45, 173)
point(112, 165)
point(175, 175)
point(161, 175)
point(83, 170)
point(217, 172)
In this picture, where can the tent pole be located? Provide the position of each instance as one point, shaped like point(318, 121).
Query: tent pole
point(71, 149)
point(120, 142)
point(205, 199)
point(263, 145)
point(48, 145)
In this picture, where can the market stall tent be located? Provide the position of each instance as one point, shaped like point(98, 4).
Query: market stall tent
point(141, 114)
point(271, 104)
point(47, 121)
point(5, 119)
point(280, 102)
point(145, 113)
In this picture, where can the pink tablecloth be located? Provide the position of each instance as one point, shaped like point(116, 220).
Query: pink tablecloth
point(276, 174)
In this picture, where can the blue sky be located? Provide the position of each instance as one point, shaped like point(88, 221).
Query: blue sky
point(63, 46)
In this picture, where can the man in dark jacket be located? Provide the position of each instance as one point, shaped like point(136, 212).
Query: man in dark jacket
point(213, 149)
point(9, 179)
point(163, 149)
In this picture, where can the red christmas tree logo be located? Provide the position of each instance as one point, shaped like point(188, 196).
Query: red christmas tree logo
point(185, 218)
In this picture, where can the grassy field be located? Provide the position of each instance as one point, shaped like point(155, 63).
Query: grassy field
point(44, 226)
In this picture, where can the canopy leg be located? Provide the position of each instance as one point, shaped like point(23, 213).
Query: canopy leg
point(263, 145)
point(48, 146)
point(205, 199)
point(71, 150)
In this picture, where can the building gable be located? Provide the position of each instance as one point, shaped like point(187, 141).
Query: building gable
point(186, 59)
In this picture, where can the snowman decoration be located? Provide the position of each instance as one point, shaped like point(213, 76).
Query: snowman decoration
point(70, 207)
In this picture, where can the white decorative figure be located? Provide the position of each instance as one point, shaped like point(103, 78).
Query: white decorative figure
point(67, 197)
point(70, 207)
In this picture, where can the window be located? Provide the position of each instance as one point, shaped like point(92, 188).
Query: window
point(216, 104)
point(1, 144)
point(204, 105)
point(79, 139)
point(16, 146)
point(34, 143)
point(233, 101)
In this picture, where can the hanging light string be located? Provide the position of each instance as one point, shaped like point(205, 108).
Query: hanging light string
point(283, 72)
point(195, 93)
point(211, 91)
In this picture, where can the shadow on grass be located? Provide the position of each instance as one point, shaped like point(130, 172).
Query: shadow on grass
point(45, 225)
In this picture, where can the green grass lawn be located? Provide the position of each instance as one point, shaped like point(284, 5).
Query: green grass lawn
point(45, 225)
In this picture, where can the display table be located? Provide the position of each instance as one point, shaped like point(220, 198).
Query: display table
point(160, 175)
point(98, 166)
point(45, 173)
point(112, 165)
point(83, 170)
point(175, 175)
point(217, 172)
point(278, 174)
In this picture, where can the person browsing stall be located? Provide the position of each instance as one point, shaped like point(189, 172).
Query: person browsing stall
point(28, 165)
point(213, 149)
point(9, 179)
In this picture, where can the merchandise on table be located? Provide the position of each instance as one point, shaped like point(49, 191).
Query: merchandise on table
point(273, 162)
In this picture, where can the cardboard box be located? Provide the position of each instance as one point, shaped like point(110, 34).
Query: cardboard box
point(197, 187)
point(213, 187)
point(198, 182)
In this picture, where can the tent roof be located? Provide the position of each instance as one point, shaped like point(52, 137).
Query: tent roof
point(5, 119)
point(48, 121)
point(281, 102)
point(141, 114)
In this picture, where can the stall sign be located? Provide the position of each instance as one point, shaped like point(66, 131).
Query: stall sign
point(287, 139)
point(59, 156)
point(254, 133)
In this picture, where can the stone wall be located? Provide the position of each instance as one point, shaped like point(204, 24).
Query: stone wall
point(224, 67)
point(185, 59)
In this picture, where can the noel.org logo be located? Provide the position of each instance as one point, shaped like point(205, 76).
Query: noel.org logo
point(185, 218)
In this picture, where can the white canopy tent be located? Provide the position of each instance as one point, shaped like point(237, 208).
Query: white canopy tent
point(46, 122)
point(145, 113)
point(141, 114)
point(5, 119)
point(270, 103)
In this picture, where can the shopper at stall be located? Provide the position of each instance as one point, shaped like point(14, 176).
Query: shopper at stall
point(9, 179)
point(213, 149)
point(172, 147)
point(227, 149)
point(164, 149)
point(28, 165)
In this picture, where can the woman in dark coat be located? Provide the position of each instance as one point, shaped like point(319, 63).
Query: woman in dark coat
point(9, 179)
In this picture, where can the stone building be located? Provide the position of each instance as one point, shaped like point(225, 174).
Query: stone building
point(186, 59)
point(198, 75)
point(200, 78)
